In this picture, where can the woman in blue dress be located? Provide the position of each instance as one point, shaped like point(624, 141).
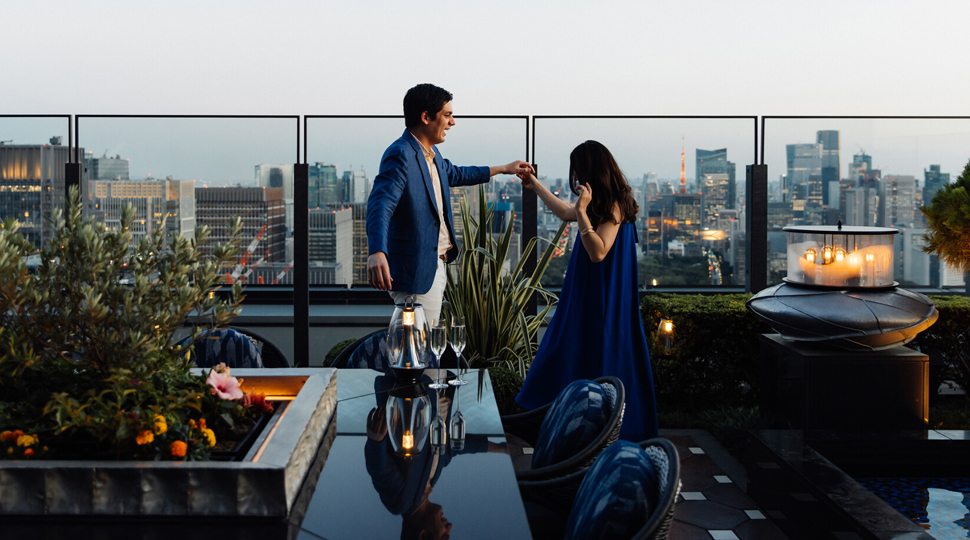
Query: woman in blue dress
point(597, 329)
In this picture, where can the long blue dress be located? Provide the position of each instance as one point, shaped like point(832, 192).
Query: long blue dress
point(597, 331)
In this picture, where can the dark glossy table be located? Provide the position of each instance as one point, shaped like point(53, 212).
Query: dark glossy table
point(363, 491)
point(473, 493)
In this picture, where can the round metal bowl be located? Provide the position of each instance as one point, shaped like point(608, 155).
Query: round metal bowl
point(853, 320)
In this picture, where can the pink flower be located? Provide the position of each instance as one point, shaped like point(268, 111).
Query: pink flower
point(223, 385)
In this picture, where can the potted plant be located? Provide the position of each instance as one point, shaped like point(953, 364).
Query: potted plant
point(88, 367)
point(492, 296)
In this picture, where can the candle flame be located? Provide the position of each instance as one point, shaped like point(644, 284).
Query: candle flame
point(668, 326)
point(408, 441)
point(408, 318)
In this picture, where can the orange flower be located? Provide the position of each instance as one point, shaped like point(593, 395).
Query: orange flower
point(192, 423)
point(7, 436)
point(160, 424)
point(144, 438)
point(179, 448)
point(28, 452)
point(202, 424)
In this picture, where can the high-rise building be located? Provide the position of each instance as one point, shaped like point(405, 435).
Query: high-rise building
point(275, 176)
point(861, 206)
point(897, 201)
point(105, 168)
point(324, 186)
point(331, 241)
point(256, 206)
point(360, 242)
point(687, 221)
point(714, 196)
point(933, 181)
point(831, 171)
point(152, 201)
point(716, 162)
point(32, 186)
point(804, 161)
point(355, 187)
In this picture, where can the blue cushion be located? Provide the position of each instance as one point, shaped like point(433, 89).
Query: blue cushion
point(577, 416)
point(227, 346)
point(617, 496)
point(371, 354)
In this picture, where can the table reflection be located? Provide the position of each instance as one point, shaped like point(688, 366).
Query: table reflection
point(405, 477)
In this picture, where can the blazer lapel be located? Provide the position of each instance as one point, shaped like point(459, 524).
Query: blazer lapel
point(423, 167)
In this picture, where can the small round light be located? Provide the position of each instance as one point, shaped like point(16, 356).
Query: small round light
point(839, 254)
point(870, 257)
point(810, 255)
point(827, 253)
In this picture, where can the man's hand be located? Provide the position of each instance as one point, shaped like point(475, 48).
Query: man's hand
point(512, 168)
point(378, 272)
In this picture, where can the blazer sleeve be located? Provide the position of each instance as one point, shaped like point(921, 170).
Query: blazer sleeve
point(464, 176)
point(384, 196)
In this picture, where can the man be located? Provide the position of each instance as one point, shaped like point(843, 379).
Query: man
point(410, 235)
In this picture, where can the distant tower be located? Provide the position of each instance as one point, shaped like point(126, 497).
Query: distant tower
point(683, 169)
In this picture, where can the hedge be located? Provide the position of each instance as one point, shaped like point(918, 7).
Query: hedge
point(714, 360)
point(950, 335)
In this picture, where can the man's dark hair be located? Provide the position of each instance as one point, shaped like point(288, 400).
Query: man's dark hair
point(421, 98)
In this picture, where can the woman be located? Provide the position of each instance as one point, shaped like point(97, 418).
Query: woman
point(596, 330)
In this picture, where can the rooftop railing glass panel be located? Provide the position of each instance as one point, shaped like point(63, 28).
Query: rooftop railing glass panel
point(863, 171)
point(198, 170)
point(687, 175)
point(344, 156)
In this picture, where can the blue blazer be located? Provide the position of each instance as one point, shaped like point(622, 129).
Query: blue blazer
point(402, 217)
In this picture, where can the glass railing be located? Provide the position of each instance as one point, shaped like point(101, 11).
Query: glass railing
point(198, 170)
point(687, 175)
point(33, 152)
point(344, 156)
point(863, 171)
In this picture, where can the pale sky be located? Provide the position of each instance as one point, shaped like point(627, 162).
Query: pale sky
point(498, 58)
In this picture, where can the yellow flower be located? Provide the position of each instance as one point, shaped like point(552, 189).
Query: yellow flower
point(192, 423)
point(144, 438)
point(10, 450)
point(25, 440)
point(210, 437)
point(6, 436)
point(161, 426)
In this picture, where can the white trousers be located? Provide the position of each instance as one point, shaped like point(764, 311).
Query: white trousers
point(431, 300)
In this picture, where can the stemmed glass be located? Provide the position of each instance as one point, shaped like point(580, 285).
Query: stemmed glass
point(458, 344)
point(457, 426)
point(439, 340)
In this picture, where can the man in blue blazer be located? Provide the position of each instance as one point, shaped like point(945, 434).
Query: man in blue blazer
point(410, 235)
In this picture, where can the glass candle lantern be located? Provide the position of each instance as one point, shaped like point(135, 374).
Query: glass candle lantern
point(841, 257)
point(408, 337)
point(408, 414)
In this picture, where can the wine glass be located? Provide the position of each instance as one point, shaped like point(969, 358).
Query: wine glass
point(439, 340)
point(439, 433)
point(458, 344)
point(457, 426)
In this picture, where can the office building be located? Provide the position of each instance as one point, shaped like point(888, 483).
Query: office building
point(716, 162)
point(256, 206)
point(32, 186)
point(897, 201)
point(715, 191)
point(331, 242)
point(804, 161)
point(933, 181)
point(105, 168)
point(831, 173)
point(153, 201)
point(861, 206)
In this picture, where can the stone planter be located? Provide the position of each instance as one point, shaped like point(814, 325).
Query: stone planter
point(267, 483)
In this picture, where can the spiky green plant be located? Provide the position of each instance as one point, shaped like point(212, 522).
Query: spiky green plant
point(493, 300)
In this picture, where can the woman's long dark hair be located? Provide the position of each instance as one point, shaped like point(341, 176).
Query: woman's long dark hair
point(592, 163)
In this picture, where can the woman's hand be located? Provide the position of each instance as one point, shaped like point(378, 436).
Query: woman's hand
point(585, 196)
point(528, 180)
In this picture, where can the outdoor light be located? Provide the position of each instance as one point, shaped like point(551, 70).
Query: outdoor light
point(408, 415)
point(840, 290)
point(665, 333)
point(655, 283)
point(408, 339)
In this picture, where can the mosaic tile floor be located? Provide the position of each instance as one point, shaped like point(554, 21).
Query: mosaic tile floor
point(711, 504)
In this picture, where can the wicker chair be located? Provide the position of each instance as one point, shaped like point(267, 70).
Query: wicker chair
point(666, 461)
point(534, 484)
point(270, 356)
